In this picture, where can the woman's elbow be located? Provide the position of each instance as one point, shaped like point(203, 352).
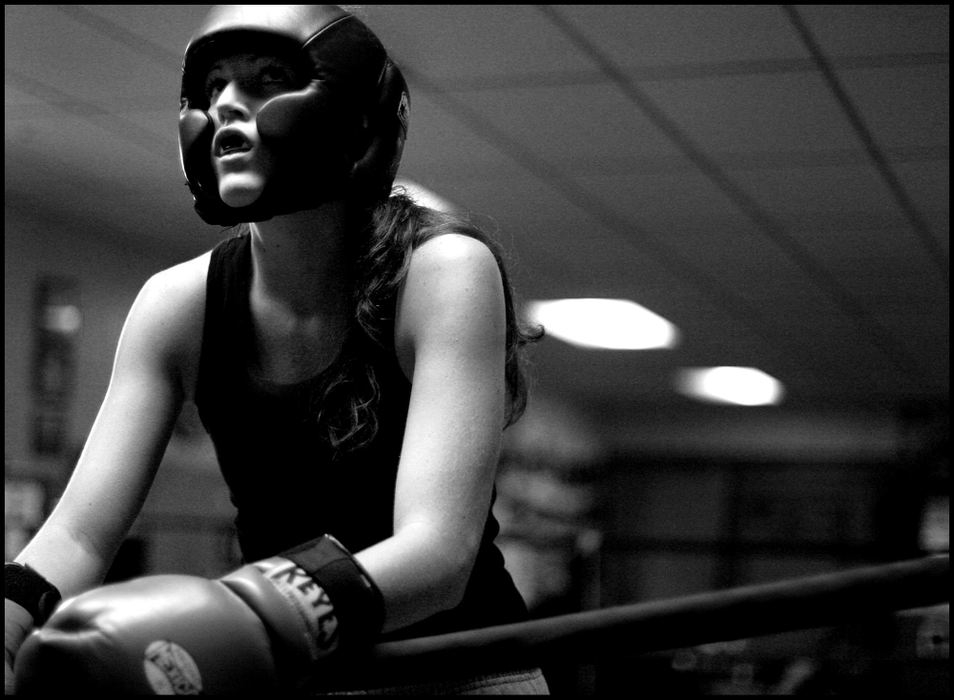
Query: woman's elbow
point(457, 564)
point(438, 561)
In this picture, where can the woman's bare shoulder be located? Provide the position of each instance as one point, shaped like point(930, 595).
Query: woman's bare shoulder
point(171, 310)
point(178, 291)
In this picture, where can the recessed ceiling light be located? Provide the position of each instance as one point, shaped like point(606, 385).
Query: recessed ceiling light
point(743, 386)
point(612, 324)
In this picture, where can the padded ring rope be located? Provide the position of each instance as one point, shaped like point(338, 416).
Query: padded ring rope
point(800, 603)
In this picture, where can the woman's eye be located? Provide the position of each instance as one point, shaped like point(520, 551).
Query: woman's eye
point(272, 76)
point(213, 86)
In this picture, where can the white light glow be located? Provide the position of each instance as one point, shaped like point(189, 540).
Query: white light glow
point(743, 386)
point(62, 318)
point(425, 197)
point(613, 324)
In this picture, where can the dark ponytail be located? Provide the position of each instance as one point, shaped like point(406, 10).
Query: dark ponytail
point(395, 229)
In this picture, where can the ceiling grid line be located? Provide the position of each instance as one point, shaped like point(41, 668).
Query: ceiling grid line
point(919, 225)
point(823, 278)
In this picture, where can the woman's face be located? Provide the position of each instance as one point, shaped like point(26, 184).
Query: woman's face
point(236, 87)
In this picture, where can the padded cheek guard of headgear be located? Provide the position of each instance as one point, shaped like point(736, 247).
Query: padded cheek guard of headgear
point(340, 135)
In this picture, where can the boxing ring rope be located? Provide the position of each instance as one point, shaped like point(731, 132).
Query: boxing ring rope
point(793, 604)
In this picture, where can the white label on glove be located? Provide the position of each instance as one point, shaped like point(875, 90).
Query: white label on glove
point(170, 669)
point(310, 599)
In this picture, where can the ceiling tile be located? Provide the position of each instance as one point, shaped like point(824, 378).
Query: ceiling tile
point(755, 113)
point(866, 30)
point(573, 123)
point(448, 43)
point(917, 113)
point(633, 35)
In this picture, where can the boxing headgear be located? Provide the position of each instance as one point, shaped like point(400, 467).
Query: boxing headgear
point(339, 136)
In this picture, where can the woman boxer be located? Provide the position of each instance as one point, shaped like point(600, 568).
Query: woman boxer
point(354, 358)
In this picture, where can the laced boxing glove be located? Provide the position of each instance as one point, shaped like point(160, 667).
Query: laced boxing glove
point(261, 628)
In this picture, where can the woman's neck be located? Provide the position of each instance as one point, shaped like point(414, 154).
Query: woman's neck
point(300, 262)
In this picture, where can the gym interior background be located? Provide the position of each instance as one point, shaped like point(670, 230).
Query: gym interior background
point(773, 180)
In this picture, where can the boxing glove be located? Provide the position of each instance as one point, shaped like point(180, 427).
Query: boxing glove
point(159, 635)
point(261, 628)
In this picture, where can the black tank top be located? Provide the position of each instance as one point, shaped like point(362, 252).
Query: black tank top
point(287, 483)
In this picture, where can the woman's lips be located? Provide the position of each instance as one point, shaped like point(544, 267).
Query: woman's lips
point(233, 153)
point(230, 142)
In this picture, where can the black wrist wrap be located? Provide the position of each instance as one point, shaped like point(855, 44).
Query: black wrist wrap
point(26, 587)
point(357, 601)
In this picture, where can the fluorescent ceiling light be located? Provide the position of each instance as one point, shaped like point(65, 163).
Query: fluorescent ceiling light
point(743, 386)
point(425, 197)
point(613, 324)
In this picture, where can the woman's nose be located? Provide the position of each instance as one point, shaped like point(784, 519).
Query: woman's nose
point(230, 104)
